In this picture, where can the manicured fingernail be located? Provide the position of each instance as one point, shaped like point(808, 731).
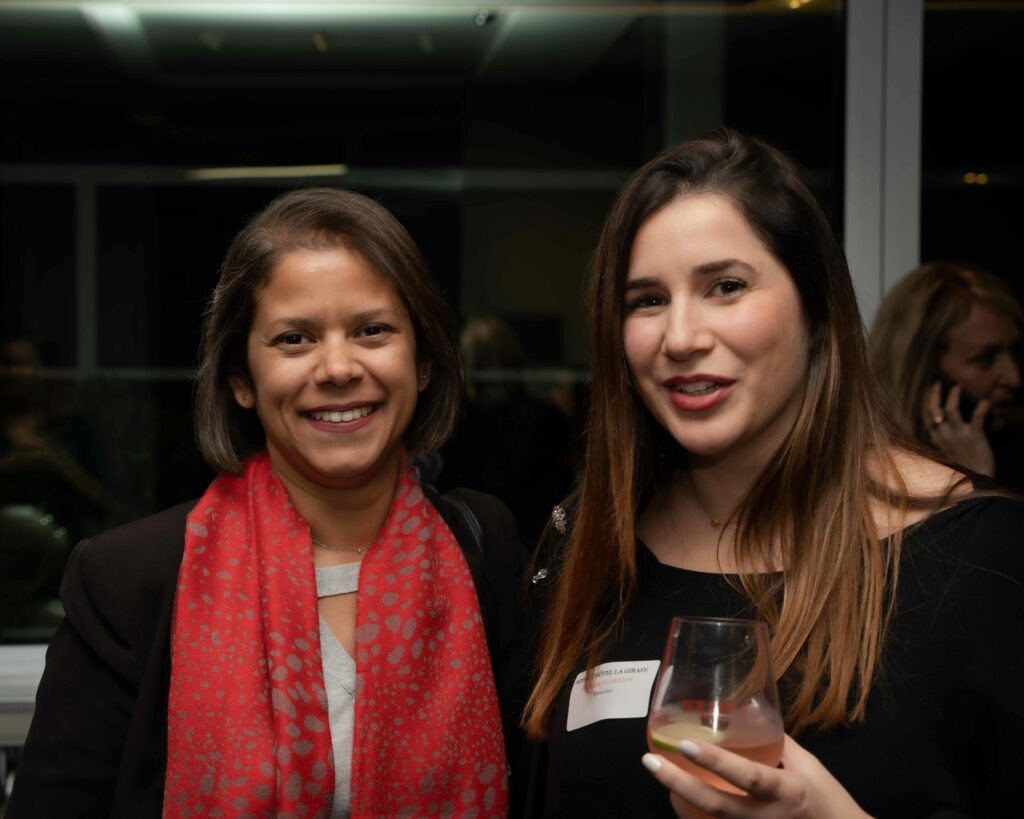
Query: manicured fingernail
point(688, 749)
point(651, 762)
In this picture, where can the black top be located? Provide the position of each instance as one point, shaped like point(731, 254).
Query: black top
point(1008, 447)
point(944, 734)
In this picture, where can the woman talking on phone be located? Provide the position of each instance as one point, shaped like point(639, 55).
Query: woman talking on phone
point(313, 637)
point(739, 464)
point(948, 339)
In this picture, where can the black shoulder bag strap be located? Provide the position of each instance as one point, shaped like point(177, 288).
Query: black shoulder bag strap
point(471, 521)
point(466, 527)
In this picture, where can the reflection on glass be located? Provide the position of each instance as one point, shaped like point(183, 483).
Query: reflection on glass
point(50, 490)
point(498, 137)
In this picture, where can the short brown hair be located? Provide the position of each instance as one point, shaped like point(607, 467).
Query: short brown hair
point(318, 219)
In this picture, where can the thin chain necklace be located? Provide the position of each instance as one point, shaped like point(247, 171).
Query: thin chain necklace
point(715, 523)
point(359, 550)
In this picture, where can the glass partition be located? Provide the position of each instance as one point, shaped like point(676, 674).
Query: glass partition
point(137, 137)
point(972, 170)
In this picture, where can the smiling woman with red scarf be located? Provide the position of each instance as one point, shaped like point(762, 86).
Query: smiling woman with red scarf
point(314, 636)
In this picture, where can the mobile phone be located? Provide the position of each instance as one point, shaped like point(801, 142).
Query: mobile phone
point(968, 403)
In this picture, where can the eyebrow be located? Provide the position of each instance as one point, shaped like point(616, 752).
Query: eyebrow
point(298, 322)
point(308, 323)
point(705, 269)
point(370, 315)
point(720, 265)
point(641, 284)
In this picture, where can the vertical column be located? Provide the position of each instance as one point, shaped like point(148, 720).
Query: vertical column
point(883, 144)
point(86, 277)
point(901, 249)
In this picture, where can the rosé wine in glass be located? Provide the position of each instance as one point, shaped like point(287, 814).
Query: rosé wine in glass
point(716, 685)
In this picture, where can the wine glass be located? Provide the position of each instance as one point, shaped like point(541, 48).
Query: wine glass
point(716, 684)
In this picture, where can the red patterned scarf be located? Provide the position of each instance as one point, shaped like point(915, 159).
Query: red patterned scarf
point(248, 730)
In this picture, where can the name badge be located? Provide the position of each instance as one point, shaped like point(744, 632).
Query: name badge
point(620, 691)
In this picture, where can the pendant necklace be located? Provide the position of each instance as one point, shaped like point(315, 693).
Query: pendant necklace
point(715, 523)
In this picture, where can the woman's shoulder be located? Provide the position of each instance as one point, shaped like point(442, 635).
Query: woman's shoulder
point(982, 522)
point(165, 529)
point(119, 586)
point(487, 534)
point(480, 522)
point(139, 553)
point(968, 558)
point(959, 497)
point(928, 483)
point(956, 519)
point(488, 509)
point(486, 531)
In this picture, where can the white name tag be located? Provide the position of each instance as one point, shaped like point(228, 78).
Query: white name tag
point(621, 691)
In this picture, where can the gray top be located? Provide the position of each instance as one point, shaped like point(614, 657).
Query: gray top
point(340, 684)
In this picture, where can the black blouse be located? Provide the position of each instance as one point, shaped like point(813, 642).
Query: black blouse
point(944, 733)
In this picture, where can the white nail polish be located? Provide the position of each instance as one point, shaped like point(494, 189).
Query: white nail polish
point(688, 749)
point(651, 762)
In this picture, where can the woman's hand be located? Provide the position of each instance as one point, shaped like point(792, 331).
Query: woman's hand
point(802, 788)
point(961, 440)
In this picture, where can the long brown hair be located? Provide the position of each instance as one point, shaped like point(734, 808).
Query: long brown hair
point(812, 499)
point(911, 331)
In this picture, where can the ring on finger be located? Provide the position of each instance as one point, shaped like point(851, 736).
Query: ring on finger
point(939, 419)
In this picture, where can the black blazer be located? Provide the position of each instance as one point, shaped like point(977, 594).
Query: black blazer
point(97, 745)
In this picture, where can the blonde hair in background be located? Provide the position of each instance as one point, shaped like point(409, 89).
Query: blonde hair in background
point(911, 330)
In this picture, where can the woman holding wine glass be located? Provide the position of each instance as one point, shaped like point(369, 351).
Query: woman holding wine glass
point(740, 464)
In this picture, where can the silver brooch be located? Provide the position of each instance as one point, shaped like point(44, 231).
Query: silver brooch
point(558, 520)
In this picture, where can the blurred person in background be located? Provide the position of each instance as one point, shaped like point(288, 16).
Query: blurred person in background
point(511, 442)
point(948, 339)
point(313, 637)
point(49, 455)
point(50, 492)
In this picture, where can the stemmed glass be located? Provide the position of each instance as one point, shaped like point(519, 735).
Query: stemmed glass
point(716, 684)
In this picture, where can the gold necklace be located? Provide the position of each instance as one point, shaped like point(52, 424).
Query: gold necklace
point(358, 550)
point(715, 524)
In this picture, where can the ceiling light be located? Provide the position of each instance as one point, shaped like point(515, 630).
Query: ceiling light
point(266, 172)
